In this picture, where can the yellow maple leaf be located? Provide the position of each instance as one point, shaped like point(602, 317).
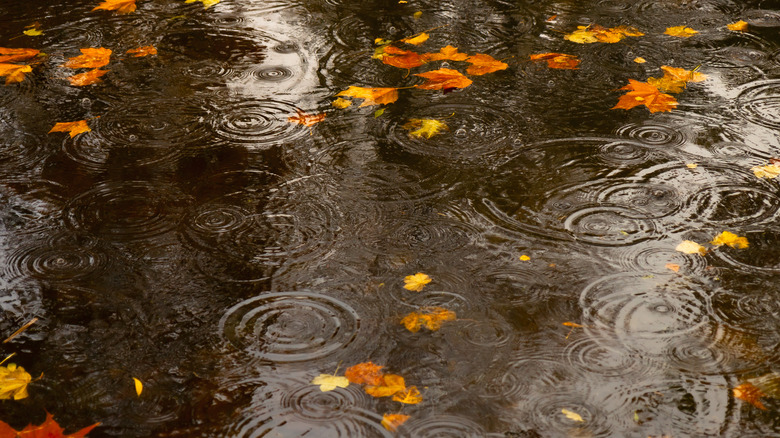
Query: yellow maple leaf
point(482, 64)
point(740, 26)
point(206, 3)
point(572, 415)
point(121, 6)
point(680, 31)
point(74, 128)
point(691, 247)
point(431, 318)
point(13, 382)
point(90, 58)
point(416, 282)
point(391, 422)
point(425, 127)
point(371, 96)
point(447, 53)
point(416, 40)
point(409, 396)
point(341, 103)
point(391, 384)
point(770, 171)
point(14, 73)
point(730, 239)
point(329, 382)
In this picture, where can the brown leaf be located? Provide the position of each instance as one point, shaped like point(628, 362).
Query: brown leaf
point(371, 96)
point(89, 58)
point(306, 119)
point(641, 93)
point(558, 60)
point(15, 55)
point(88, 78)
point(142, 51)
point(13, 72)
point(121, 6)
point(482, 64)
point(442, 79)
point(74, 128)
point(366, 372)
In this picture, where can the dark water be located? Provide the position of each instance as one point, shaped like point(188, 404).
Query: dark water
point(198, 241)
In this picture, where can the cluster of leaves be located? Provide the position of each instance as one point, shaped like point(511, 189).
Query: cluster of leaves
point(13, 72)
point(652, 93)
point(725, 238)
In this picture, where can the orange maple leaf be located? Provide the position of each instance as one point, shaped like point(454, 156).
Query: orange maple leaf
point(482, 64)
point(410, 396)
point(371, 96)
point(142, 51)
point(13, 55)
point(48, 429)
point(89, 58)
point(391, 384)
point(442, 79)
point(391, 422)
point(751, 394)
point(305, 119)
point(448, 53)
point(402, 58)
point(366, 372)
point(74, 128)
point(13, 72)
point(641, 93)
point(431, 318)
point(558, 60)
point(121, 6)
point(88, 78)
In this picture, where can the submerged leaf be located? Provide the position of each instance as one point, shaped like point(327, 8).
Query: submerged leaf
point(572, 415)
point(88, 78)
point(74, 128)
point(48, 429)
point(730, 239)
point(482, 64)
point(371, 96)
point(329, 382)
point(558, 60)
point(409, 396)
point(751, 394)
point(121, 6)
point(425, 127)
point(416, 282)
point(391, 384)
point(443, 79)
point(691, 247)
point(305, 119)
point(641, 93)
point(13, 382)
point(430, 318)
point(366, 372)
point(391, 422)
point(13, 72)
point(142, 51)
point(90, 58)
point(681, 31)
point(400, 58)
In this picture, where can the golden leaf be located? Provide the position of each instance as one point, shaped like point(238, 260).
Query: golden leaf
point(597, 34)
point(391, 422)
point(14, 55)
point(371, 96)
point(416, 282)
point(641, 93)
point(558, 60)
point(447, 53)
point(443, 79)
point(675, 79)
point(13, 382)
point(740, 26)
point(730, 239)
point(410, 396)
point(691, 165)
point(14, 73)
point(391, 383)
point(139, 387)
point(640, 60)
point(524, 258)
point(305, 119)
point(417, 40)
point(33, 32)
point(417, 15)
point(341, 103)
point(681, 31)
point(424, 127)
point(329, 382)
point(366, 372)
point(121, 6)
point(206, 3)
point(770, 171)
point(751, 394)
point(572, 415)
point(482, 64)
point(142, 51)
point(431, 318)
point(90, 58)
point(74, 128)
point(88, 78)
point(691, 247)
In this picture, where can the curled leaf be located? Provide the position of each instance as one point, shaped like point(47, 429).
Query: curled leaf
point(139, 387)
point(416, 282)
point(416, 40)
point(730, 239)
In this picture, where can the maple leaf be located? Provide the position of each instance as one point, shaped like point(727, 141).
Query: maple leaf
point(770, 171)
point(730, 239)
point(558, 60)
point(416, 40)
point(341, 103)
point(305, 119)
point(48, 429)
point(681, 31)
point(416, 282)
point(691, 247)
point(482, 64)
point(447, 53)
point(366, 372)
point(392, 422)
point(14, 73)
point(121, 6)
point(675, 79)
point(371, 96)
point(391, 384)
point(409, 396)
point(87, 78)
point(443, 79)
point(89, 58)
point(400, 58)
point(739, 26)
point(142, 51)
point(641, 93)
point(13, 382)
point(431, 318)
point(751, 394)
point(425, 127)
point(14, 55)
point(572, 415)
point(206, 3)
point(598, 34)
point(329, 382)
point(74, 128)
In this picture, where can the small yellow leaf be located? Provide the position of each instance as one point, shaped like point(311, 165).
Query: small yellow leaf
point(13, 382)
point(691, 247)
point(206, 3)
point(74, 128)
point(329, 382)
point(681, 31)
point(572, 415)
point(525, 258)
point(33, 32)
point(341, 103)
point(417, 40)
point(691, 165)
point(740, 26)
point(417, 15)
point(672, 266)
point(730, 239)
point(770, 171)
point(640, 60)
point(416, 282)
point(425, 127)
point(379, 112)
point(139, 387)
point(391, 422)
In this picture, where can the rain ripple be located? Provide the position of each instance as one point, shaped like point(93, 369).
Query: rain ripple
point(257, 123)
point(442, 425)
point(759, 103)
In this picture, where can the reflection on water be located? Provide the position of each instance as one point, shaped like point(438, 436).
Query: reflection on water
point(198, 241)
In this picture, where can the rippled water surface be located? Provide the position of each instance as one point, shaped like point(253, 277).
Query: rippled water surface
point(199, 241)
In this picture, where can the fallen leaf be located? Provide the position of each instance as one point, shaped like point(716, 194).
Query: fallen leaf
point(305, 119)
point(206, 3)
point(379, 112)
point(142, 51)
point(730, 239)
point(447, 53)
point(425, 127)
point(598, 34)
point(640, 60)
point(371, 96)
point(14, 55)
point(740, 26)
point(74, 128)
point(641, 93)
point(443, 79)
point(681, 31)
point(48, 429)
point(88, 78)
point(391, 422)
point(416, 282)
point(551, 18)
point(558, 60)
point(13, 382)
point(329, 382)
point(770, 171)
point(431, 318)
point(691, 165)
point(400, 58)
point(391, 384)
point(417, 40)
point(409, 396)
point(672, 266)
point(691, 247)
point(417, 15)
point(572, 324)
point(13, 72)
point(751, 394)
point(121, 6)
point(90, 58)
point(366, 372)
point(33, 32)
point(524, 258)
point(675, 79)
point(572, 415)
point(482, 64)
point(341, 103)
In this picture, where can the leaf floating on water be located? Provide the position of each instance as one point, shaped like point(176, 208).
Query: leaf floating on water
point(417, 40)
point(391, 422)
point(90, 58)
point(673, 267)
point(425, 127)
point(74, 128)
point(730, 239)
point(751, 394)
point(391, 384)
point(691, 165)
point(121, 6)
point(139, 387)
point(524, 258)
point(409, 396)
point(13, 382)
point(416, 282)
point(675, 79)
point(371, 96)
point(597, 34)
point(33, 32)
point(572, 324)
point(48, 429)
point(88, 78)
point(482, 64)
point(640, 60)
point(400, 58)
point(142, 51)
point(329, 382)
point(447, 53)
point(206, 3)
point(15, 55)
point(14, 73)
point(558, 60)
point(443, 79)
point(739, 26)
point(305, 119)
point(572, 415)
point(417, 15)
point(681, 32)
point(641, 93)
point(770, 171)
point(379, 112)
point(691, 247)
point(430, 318)
point(366, 372)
